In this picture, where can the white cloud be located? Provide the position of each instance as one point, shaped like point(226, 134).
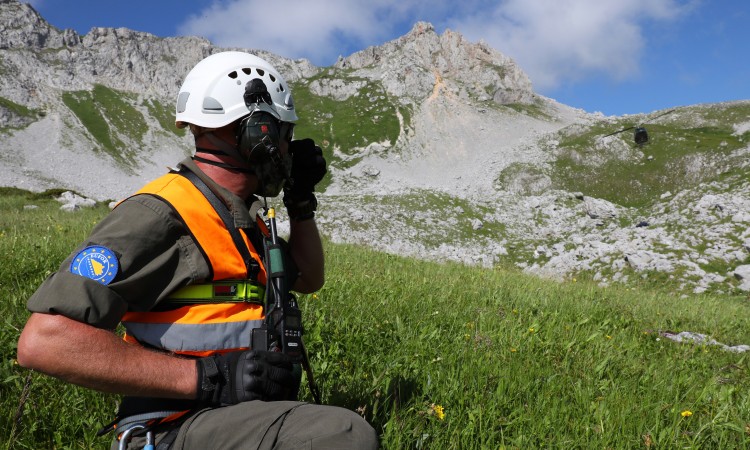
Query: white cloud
point(297, 28)
point(554, 41)
point(557, 41)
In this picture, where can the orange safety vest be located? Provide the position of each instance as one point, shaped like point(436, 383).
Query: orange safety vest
point(223, 319)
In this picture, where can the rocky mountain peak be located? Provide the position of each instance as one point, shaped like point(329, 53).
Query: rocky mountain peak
point(422, 59)
point(22, 27)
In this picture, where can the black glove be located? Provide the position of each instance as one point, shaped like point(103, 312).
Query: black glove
point(308, 168)
point(242, 376)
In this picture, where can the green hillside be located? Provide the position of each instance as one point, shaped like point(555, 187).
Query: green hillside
point(117, 122)
point(438, 355)
point(687, 147)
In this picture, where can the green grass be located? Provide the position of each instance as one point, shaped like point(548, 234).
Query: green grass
point(535, 110)
point(513, 361)
point(17, 109)
point(523, 363)
point(366, 117)
point(107, 115)
point(32, 242)
point(164, 115)
point(25, 114)
point(675, 158)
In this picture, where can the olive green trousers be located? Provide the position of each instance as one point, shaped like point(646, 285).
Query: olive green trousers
point(270, 425)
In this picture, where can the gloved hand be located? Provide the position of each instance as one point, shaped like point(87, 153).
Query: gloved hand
point(243, 376)
point(308, 168)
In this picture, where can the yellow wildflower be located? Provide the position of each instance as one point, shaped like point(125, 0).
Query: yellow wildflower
point(531, 330)
point(686, 413)
point(438, 410)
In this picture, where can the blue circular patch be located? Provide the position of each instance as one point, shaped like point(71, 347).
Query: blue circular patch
point(95, 262)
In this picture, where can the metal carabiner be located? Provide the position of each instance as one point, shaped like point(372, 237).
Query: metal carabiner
point(125, 438)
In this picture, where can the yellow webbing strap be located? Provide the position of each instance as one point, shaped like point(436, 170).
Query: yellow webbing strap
point(230, 291)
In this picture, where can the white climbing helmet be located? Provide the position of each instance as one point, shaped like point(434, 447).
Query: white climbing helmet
point(212, 94)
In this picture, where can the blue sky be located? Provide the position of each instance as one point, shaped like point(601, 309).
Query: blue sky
point(613, 56)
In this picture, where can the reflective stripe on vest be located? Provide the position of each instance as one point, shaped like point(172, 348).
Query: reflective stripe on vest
point(197, 330)
point(214, 325)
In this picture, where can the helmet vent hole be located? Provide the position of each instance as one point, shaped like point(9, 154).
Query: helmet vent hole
point(233, 75)
point(260, 72)
point(273, 78)
point(281, 88)
point(247, 70)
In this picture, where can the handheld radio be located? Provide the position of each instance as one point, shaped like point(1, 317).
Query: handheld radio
point(282, 328)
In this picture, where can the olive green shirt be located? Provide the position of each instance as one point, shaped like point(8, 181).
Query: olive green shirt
point(156, 255)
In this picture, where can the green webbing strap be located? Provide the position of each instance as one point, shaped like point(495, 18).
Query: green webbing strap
point(218, 292)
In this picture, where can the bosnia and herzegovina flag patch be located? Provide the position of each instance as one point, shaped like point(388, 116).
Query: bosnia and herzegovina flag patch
point(96, 262)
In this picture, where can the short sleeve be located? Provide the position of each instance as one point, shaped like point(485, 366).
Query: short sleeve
point(78, 298)
point(156, 255)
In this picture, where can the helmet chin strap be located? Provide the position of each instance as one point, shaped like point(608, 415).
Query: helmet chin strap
point(270, 185)
point(212, 162)
point(226, 149)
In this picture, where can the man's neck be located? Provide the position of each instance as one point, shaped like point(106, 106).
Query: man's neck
point(239, 183)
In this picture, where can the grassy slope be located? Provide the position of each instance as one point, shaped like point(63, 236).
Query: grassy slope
point(116, 121)
point(19, 112)
point(509, 359)
point(32, 245)
point(349, 125)
point(690, 146)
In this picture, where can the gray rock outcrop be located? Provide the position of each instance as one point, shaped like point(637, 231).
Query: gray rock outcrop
point(423, 61)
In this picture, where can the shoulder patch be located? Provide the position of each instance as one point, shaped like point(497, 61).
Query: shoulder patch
point(96, 262)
